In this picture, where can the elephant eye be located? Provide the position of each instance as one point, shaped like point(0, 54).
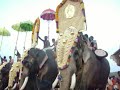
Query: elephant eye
point(25, 57)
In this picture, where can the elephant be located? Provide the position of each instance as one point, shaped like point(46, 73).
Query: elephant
point(39, 70)
point(4, 74)
point(14, 76)
point(91, 71)
point(116, 57)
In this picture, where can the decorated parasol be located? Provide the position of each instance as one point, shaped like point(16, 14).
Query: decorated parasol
point(48, 15)
point(3, 32)
point(24, 26)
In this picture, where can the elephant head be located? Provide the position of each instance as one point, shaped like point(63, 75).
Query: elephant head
point(116, 57)
point(33, 61)
point(75, 63)
point(14, 75)
point(15, 72)
point(36, 68)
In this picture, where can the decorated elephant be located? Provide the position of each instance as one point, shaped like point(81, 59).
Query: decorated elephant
point(14, 76)
point(39, 70)
point(4, 74)
point(91, 71)
point(116, 57)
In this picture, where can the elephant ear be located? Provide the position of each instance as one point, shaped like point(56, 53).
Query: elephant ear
point(86, 55)
point(41, 57)
point(43, 62)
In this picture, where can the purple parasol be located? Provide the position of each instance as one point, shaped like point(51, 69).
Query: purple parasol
point(48, 15)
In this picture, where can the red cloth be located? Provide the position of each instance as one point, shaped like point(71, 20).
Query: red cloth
point(113, 81)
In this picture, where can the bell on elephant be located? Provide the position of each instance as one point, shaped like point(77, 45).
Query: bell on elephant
point(100, 53)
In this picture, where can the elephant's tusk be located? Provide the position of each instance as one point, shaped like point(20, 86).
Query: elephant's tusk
point(56, 81)
point(24, 83)
point(73, 82)
point(14, 86)
point(6, 88)
point(20, 74)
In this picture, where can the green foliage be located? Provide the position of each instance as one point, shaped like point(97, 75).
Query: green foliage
point(4, 32)
point(23, 26)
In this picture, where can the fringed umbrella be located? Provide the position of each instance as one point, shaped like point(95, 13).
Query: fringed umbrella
point(3, 32)
point(48, 15)
point(24, 26)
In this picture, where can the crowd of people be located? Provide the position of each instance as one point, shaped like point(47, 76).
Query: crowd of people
point(91, 42)
point(46, 44)
point(114, 82)
point(4, 59)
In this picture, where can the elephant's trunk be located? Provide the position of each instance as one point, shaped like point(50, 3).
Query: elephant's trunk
point(73, 82)
point(24, 83)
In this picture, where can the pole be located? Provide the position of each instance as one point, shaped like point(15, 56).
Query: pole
point(25, 41)
point(16, 44)
point(48, 30)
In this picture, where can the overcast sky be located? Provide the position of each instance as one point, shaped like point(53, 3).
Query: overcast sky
point(103, 18)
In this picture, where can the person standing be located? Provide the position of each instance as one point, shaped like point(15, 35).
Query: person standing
point(4, 59)
point(45, 41)
point(54, 44)
point(11, 60)
point(93, 43)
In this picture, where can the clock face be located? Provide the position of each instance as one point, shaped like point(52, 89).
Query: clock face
point(69, 11)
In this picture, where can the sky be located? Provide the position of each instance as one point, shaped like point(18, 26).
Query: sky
point(103, 18)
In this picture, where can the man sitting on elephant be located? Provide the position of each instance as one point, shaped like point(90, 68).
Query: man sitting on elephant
point(45, 41)
point(93, 43)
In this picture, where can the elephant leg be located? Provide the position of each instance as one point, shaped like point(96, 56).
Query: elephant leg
point(66, 79)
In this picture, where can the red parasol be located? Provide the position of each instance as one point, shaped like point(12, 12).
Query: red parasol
point(48, 15)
